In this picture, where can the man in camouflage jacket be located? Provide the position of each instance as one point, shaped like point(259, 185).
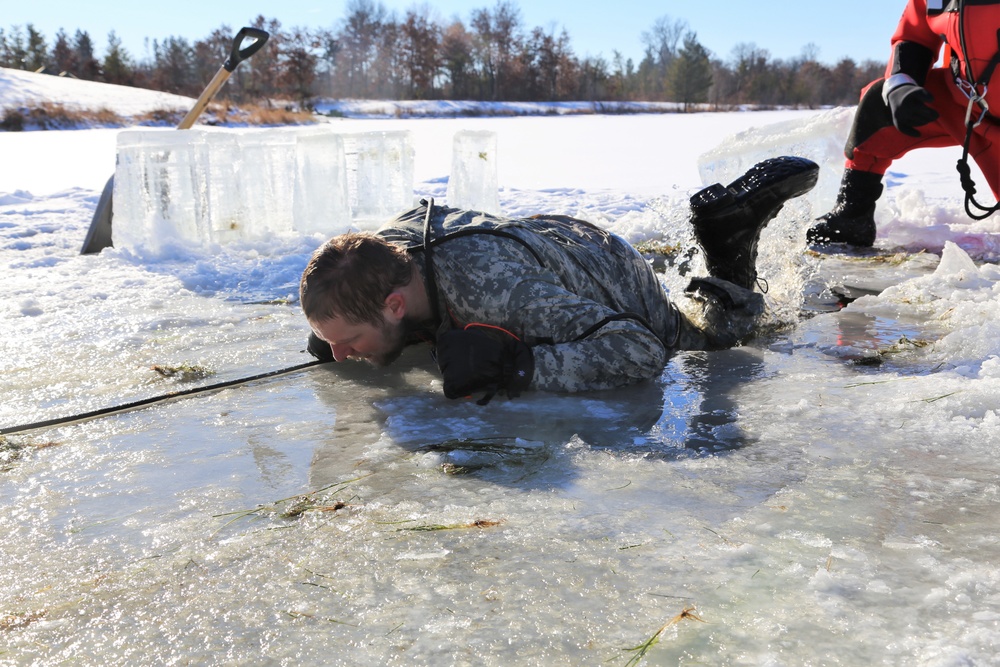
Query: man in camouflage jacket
point(546, 302)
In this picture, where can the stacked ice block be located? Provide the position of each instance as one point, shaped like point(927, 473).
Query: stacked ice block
point(380, 173)
point(473, 181)
point(207, 186)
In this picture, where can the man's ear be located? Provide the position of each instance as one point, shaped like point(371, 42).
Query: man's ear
point(395, 305)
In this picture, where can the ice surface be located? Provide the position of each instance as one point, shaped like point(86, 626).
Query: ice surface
point(473, 180)
point(824, 496)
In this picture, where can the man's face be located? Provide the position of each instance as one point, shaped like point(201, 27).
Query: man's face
point(379, 343)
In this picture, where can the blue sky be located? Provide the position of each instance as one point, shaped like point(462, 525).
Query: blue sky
point(857, 28)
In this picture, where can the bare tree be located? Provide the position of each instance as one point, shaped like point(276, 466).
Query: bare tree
point(497, 39)
point(264, 72)
point(358, 39)
point(174, 63)
point(593, 82)
point(549, 67)
point(299, 65)
point(329, 49)
point(210, 53)
point(662, 39)
point(751, 68)
point(371, 53)
point(389, 66)
point(419, 40)
point(457, 60)
point(661, 42)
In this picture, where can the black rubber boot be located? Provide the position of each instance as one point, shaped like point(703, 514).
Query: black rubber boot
point(852, 220)
point(728, 220)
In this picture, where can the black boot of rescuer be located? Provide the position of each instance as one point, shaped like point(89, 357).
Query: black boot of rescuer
point(852, 220)
point(728, 220)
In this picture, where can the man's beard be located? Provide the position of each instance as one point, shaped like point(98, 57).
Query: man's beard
point(396, 338)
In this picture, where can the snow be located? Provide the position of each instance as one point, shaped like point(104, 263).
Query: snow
point(19, 89)
point(824, 495)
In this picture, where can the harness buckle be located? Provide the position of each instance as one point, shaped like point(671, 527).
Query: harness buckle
point(971, 91)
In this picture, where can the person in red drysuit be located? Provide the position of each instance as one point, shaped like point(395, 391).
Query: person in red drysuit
point(918, 105)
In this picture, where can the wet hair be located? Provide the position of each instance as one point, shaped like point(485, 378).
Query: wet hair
point(350, 276)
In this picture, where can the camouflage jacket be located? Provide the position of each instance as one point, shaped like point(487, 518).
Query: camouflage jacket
point(587, 303)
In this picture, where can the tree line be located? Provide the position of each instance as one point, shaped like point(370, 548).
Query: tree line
point(373, 53)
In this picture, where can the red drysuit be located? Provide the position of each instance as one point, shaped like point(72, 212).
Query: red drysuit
point(968, 30)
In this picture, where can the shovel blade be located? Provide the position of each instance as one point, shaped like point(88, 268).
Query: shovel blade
point(99, 234)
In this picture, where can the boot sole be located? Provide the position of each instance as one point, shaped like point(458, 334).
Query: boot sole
point(779, 178)
point(852, 233)
point(828, 239)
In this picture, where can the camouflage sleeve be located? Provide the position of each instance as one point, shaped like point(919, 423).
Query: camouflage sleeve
point(500, 283)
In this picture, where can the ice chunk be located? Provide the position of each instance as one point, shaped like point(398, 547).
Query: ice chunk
point(322, 203)
point(820, 138)
point(160, 188)
point(955, 260)
point(210, 185)
point(227, 211)
point(473, 181)
point(958, 270)
point(266, 180)
point(380, 175)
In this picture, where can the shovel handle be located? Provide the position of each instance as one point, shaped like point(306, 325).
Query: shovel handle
point(238, 55)
point(235, 58)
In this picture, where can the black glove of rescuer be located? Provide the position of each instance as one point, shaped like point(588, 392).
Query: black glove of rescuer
point(908, 104)
point(476, 359)
point(319, 348)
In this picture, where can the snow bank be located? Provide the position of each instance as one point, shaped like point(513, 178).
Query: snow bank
point(19, 89)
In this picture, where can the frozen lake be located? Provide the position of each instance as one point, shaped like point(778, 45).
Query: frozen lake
point(822, 496)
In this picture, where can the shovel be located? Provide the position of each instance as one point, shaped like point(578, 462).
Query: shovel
point(99, 235)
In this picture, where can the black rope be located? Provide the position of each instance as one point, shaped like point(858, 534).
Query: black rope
point(969, 185)
point(964, 171)
point(85, 416)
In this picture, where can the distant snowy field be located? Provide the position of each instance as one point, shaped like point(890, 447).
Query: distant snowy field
point(825, 495)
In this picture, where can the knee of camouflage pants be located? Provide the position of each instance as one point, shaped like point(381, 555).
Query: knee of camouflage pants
point(718, 315)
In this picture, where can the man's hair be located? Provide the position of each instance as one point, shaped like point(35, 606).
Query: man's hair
point(350, 276)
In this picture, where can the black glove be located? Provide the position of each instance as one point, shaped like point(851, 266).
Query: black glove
point(476, 359)
point(908, 103)
point(319, 348)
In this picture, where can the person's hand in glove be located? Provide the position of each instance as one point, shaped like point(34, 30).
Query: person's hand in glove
point(319, 348)
point(909, 104)
point(479, 358)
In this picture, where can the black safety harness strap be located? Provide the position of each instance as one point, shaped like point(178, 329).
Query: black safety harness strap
point(431, 278)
